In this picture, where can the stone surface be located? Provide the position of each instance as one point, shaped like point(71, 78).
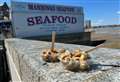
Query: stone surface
point(31, 68)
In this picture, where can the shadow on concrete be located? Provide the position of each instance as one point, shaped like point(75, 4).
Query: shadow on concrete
point(4, 70)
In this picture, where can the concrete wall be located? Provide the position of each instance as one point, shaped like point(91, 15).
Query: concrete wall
point(81, 37)
point(26, 64)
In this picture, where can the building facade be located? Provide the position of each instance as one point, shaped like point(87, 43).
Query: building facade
point(4, 11)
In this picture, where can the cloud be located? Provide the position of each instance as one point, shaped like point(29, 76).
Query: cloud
point(98, 22)
point(118, 12)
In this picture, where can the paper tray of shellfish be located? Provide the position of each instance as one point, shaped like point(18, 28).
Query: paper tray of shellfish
point(76, 60)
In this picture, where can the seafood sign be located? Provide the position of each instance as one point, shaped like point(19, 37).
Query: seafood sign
point(35, 19)
point(53, 19)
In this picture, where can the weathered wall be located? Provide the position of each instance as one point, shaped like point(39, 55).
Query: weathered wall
point(26, 63)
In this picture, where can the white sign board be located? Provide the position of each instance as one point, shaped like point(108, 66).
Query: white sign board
point(33, 19)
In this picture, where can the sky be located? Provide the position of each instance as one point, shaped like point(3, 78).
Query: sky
point(100, 12)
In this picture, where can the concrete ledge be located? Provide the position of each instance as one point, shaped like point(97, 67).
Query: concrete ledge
point(25, 55)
